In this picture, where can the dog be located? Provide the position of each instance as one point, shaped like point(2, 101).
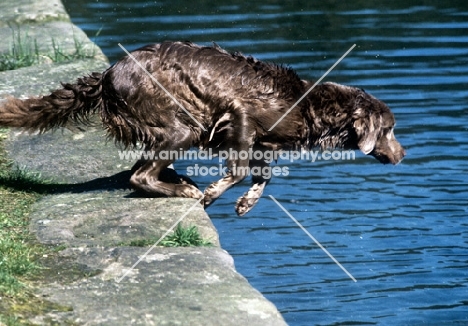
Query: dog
point(179, 95)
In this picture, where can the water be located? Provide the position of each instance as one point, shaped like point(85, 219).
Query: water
point(401, 231)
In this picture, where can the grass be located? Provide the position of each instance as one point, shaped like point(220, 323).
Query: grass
point(24, 52)
point(181, 237)
point(18, 254)
point(185, 237)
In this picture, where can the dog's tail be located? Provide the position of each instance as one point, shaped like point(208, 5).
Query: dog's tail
point(73, 102)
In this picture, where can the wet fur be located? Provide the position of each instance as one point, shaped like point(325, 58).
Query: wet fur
point(236, 99)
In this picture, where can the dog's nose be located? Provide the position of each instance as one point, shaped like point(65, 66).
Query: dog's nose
point(399, 155)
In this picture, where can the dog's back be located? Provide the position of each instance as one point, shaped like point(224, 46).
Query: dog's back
point(208, 82)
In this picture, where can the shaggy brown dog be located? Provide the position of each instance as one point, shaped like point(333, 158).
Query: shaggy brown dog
point(225, 101)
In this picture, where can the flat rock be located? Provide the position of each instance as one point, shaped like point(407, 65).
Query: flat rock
point(98, 279)
point(66, 156)
point(50, 40)
point(178, 286)
point(42, 79)
point(108, 218)
point(27, 11)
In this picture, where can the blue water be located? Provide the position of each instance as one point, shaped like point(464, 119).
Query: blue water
point(401, 231)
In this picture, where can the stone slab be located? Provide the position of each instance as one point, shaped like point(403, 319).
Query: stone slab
point(178, 286)
point(93, 213)
point(27, 11)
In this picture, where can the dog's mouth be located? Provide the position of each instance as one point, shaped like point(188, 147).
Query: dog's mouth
point(381, 157)
point(384, 158)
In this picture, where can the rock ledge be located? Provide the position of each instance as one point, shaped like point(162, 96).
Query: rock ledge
point(94, 214)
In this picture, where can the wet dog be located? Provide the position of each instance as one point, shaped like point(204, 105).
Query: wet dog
point(182, 95)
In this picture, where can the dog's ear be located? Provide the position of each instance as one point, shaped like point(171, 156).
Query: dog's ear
point(367, 126)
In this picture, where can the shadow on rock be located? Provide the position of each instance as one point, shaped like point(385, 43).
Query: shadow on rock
point(26, 181)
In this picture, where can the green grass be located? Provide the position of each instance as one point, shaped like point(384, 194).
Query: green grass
point(24, 52)
point(185, 237)
point(18, 254)
point(180, 237)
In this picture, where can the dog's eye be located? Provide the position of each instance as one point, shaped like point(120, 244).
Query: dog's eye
point(389, 133)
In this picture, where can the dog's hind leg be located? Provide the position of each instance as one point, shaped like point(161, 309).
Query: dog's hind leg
point(169, 174)
point(259, 180)
point(152, 176)
point(147, 179)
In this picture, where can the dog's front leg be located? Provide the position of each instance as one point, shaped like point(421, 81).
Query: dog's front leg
point(238, 169)
point(261, 176)
point(238, 139)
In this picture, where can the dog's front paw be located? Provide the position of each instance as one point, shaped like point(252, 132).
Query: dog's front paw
point(245, 203)
point(211, 194)
point(188, 191)
point(249, 199)
point(208, 200)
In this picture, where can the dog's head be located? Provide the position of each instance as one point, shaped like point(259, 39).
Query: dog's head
point(373, 123)
point(348, 117)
